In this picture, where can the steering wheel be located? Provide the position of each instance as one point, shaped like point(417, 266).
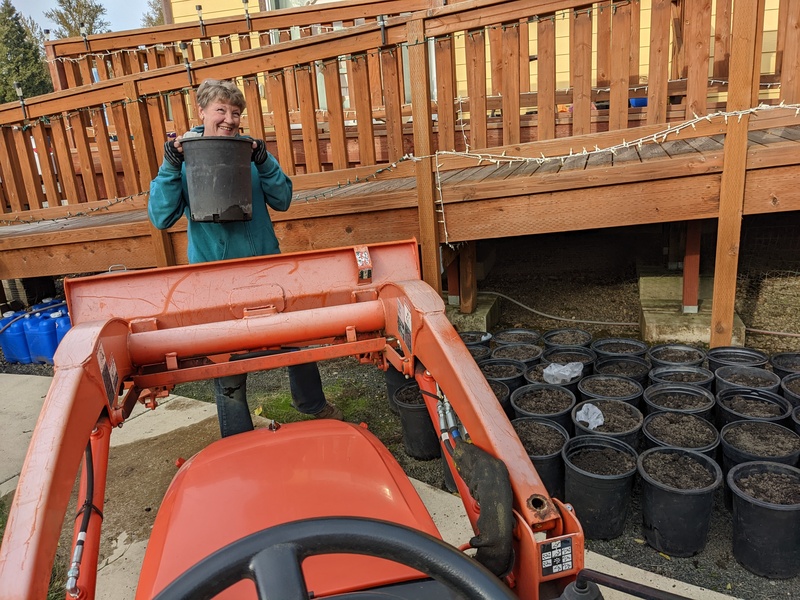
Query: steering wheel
point(272, 558)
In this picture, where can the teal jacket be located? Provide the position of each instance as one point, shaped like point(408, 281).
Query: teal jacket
point(218, 241)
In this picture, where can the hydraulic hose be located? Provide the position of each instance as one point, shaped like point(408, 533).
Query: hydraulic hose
point(86, 509)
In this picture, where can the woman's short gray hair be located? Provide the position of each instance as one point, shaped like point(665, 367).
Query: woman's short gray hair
point(216, 90)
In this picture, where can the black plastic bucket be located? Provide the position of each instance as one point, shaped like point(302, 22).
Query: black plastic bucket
point(630, 435)
point(420, 439)
point(735, 376)
point(516, 336)
point(773, 403)
point(727, 356)
point(796, 418)
point(549, 466)
point(679, 419)
point(503, 395)
point(570, 336)
point(567, 354)
point(218, 178)
point(600, 501)
point(673, 355)
point(785, 363)
point(621, 388)
point(677, 397)
point(683, 374)
point(394, 379)
point(635, 367)
point(562, 417)
point(766, 536)
point(535, 374)
point(789, 385)
point(511, 372)
point(618, 347)
point(529, 354)
point(676, 521)
point(476, 338)
point(733, 455)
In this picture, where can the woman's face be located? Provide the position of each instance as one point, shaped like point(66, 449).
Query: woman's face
point(221, 118)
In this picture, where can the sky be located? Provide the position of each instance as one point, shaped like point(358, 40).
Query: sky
point(121, 14)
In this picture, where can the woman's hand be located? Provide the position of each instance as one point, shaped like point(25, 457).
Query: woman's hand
point(173, 152)
point(260, 154)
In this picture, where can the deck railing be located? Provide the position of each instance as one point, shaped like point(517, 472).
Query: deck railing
point(357, 101)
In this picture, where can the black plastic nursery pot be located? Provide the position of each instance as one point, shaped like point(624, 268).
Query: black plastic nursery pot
point(676, 429)
point(673, 355)
point(790, 388)
point(600, 496)
point(480, 352)
point(530, 400)
point(677, 507)
point(535, 374)
point(516, 336)
point(568, 336)
point(683, 374)
point(611, 387)
point(548, 462)
point(618, 347)
point(394, 379)
point(503, 395)
point(785, 363)
point(509, 371)
point(420, 439)
point(737, 438)
point(529, 354)
point(218, 178)
point(739, 404)
point(796, 418)
point(622, 421)
point(678, 397)
point(737, 356)
point(634, 367)
point(766, 534)
point(568, 354)
point(736, 376)
point(475, 338)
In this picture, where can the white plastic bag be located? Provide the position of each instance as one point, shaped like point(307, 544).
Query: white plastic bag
point(559, 374)
point(591, 415)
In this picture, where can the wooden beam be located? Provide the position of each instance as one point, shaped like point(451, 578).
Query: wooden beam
point(423, 147)
point(743, 52)
point(468, 281)
point(658, 78)
point(691, 267)
point(545, 79)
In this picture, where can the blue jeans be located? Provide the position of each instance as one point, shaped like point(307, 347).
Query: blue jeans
point(230, 394)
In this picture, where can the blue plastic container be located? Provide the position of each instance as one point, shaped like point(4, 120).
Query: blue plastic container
point(40, 333)
point(63, 324)
point(638, 102)
point(12, 340)
point(46, 305)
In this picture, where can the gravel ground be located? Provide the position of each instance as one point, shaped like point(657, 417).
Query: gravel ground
point(556, 275)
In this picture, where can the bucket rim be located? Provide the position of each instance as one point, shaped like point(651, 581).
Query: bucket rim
point(599, 441)
point(710, 464)
point(753, 465)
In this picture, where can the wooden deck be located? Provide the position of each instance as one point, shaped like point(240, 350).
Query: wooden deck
point(660, 182)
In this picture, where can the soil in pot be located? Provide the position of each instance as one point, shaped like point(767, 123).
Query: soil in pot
point(634, 367)
point(568, 354)
point(677, 499)
point(503, 395)
point(546, 401)
point(603, 461)
point(682, 431)
point(543, 441)
point(610, 386)
point(681, 398)
point(511, 372)
point(473, 338)
point(738, 404)
point(479, 352)
point(754, 378)
point(669, 355)
point(516, 336)
point(682, 374)
point(618, 347)
point(566, 337)
point(722, 356)
point(790, 387)
point(785, 363)
point(526, 353)
point(766, 518)
point(535, 374)
point(620, 420)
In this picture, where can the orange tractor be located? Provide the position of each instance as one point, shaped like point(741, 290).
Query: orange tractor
point(310, 509)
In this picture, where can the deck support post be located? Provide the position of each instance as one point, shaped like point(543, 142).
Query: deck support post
point(423, 148)
point(742, 93)
point(691, 267)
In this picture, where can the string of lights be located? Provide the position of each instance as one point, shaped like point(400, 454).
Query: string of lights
point(80, 213)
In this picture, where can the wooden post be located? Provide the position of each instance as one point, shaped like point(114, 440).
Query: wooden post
point(468, 285)
point(423, 149)
point(691, 267)
point(145, 153)
point(743, 54)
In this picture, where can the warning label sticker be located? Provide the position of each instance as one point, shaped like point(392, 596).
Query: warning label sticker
point(556, 556)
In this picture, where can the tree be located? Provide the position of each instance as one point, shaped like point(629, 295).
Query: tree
point(20, 58)
point(154, 15)
point(35, 33)
point(71, 13)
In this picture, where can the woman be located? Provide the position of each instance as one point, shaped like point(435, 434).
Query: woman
point(220, 106)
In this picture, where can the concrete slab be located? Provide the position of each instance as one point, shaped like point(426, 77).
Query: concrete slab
point(485, 317)
point(664, 321)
